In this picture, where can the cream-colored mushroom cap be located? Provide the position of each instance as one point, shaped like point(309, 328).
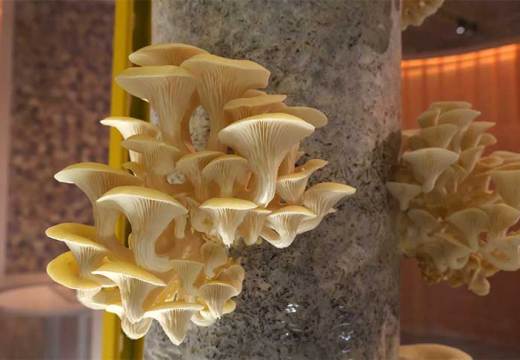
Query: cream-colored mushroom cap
point(285, 222)
point(290, 187)
point(501, 218)
point(64, 270)
point(507, 183)
point(471, 222)
point(174, 318)
point(241, 108)
point(427, 119)
point(311, 115)
point(264, 140)
point(431, 352)
point(226, 171)
point(149, 212)
point(205, 318)
point(428, 164)
point(170, 91)
point(474, 132)
point(187, 271)
point(215, 295)
point(227, 214)
point(403, 192)
point(158, 157)
point(233, 275)
point(444, 106)
point(191, 166)
point(129, 126)
point(437, 136)
point(462, 118)
point(222, 80)
point(115, 267)
point(95, 179)
point(82, 235)
point(164, 54)
point(214, 255)
point(252, 226)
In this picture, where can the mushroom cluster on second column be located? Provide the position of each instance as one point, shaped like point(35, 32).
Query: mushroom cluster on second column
point(186, 208)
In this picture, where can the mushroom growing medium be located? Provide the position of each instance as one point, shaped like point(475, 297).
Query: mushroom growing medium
point(459, 203)
point(187, 208)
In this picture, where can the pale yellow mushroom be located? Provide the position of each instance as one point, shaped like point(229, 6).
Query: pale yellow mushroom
point(487, 139)
point(171, 91)
point(128, 126)
point(469, 157)
point(431, 352)
point(205, 317)
point(187, 271)
point(437, 136)
point(227, 215)
point(252, 226)
point(94, 180)
point(501, 218)
point(252, 93)
point(99, 299)
point(444, 106)
point(222, 80)
point(424, 221)
point(471, 222)
point(64, 270)
point(149, 212)
point(164, 54)
point(428, 164)
point(264, 140)
point(504, 253)
point(403, 192)
point(191, 166)
point(448, 252)
point(216, 294)
point(507, 156)
point(226, 171)
point(233, 275)
point(427, 119)
point(241, 108)
point(285, 222)
point(81, 240)
point(157, 157)
point(292, 186)
point(321, 199)
point(134, 283)
point(507, 183)
point(474, 132)
point(174, 318)
point(214, 255)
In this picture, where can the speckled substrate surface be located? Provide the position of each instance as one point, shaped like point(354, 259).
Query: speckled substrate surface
point(334, 293)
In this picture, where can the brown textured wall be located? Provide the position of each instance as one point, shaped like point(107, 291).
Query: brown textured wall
point(61, 88)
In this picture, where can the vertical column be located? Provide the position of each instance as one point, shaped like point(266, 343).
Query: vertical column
point(334, 293)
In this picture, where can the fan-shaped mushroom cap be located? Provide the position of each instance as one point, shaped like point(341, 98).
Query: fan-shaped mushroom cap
point(501, 218)
point(469, 158)
point(252, 226)
point(444, 106)
point(133, 330)
point(403, 192)
point(221, 80)
point(311, 115)
point(171, 93)
point(285, 223)
point(226, 170)
point(81, 240)
point(214, 255)
point(149, 212)
point(507, 156)
point(134, 284)
point(504, 253)
point(472, 135)
point(100, 298)
point(241, 108)
point(291, 187)
point(174, 318)
point(233, 275)
point(471, 222)
point(431, 352)
point(191, 166)
point(64, 270)
point(252, 93)
point(215, 294)
point(227, 214)
point(321, 199)
point(487, 139)
point(427, 119)
point(507, 183)
point(205, 318)
point(264, 140)
point(157, 157)
point(437, 136)
point(462, 118)
point(428, 164)
point(164, 54)
point(188, 271)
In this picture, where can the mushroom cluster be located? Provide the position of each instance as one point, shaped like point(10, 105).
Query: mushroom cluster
point(459, 205)
point(414, 12)
point(187, 207)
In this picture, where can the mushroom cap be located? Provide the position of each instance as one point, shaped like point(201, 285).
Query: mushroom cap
point(462, 118)
point(313, 116)
point(228, 203)
point(225, 170)
point(127, 269)
point(244, 107)
point(403, 192)
point(164, 54)
point(507, 183)
point(169, 306)
point(214, 255)
point(198, 159)
point(285, 222)
point(233, 275)
point(427, 119)
point(143, 82)
point(431, 352)
point(291, 186)
point(216, 294)
point(78, 234)
point(129, 126)
point(64, 270)
point(158, 156)
point(450, 105)
point(95, 179)
point(438, 136)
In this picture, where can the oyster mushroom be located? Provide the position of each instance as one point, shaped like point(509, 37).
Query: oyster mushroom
point(214, 255)
point(149, 212)
point(403, 192)
point(471, 222)
point(64, 270)
point(251, 228)
point(507, 183)
point(227, 215)
point(264, 140)
point(285, 223)
point(191, 166)
point(291, 187)
point(164, 54)
point(222, 80)
point(241, 108)
point(216, 294)
point(226, 171)
point(171, 92)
